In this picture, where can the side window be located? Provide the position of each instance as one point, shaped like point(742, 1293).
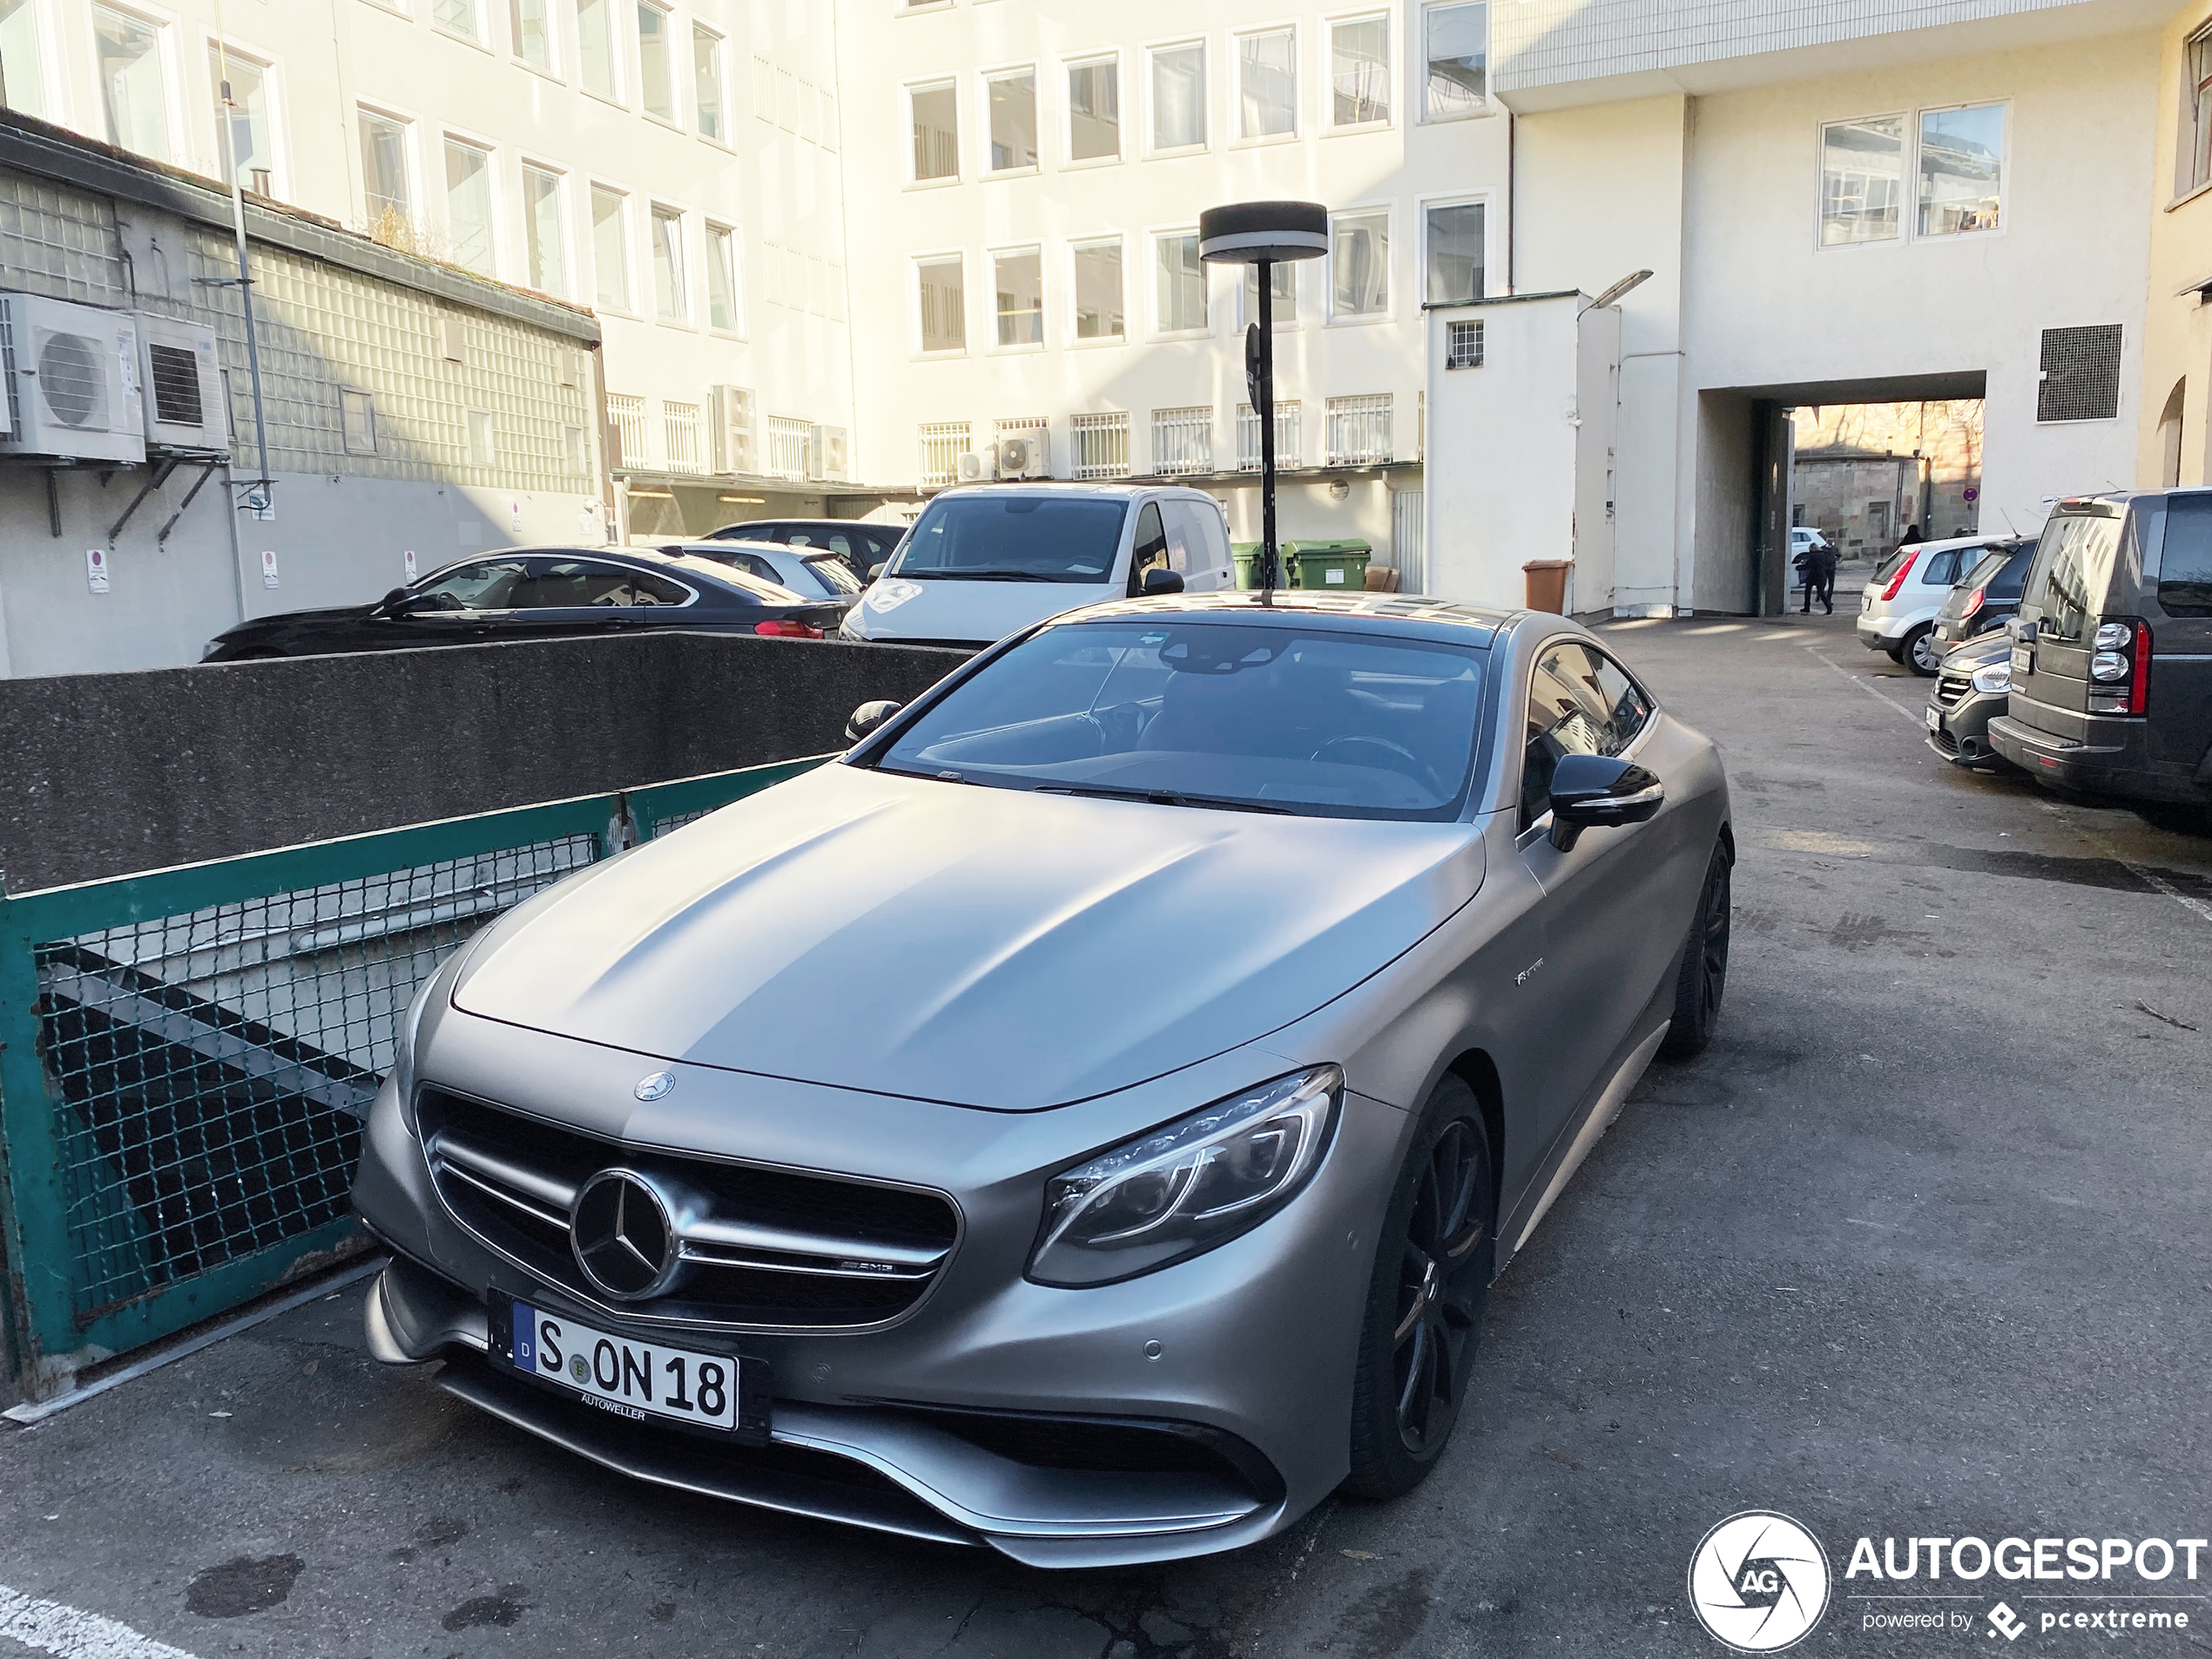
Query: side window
point(656, 590)
point(1151, 551)
point(1195, 544)
point(753, 564)
point(2008, 582)
point(2185, 568)
point(1943, 570)
point(489, 586)
point(1579, 702)
point(570, 584)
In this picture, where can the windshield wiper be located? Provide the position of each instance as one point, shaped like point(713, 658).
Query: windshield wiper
point(976, 576)
point(1162, 798)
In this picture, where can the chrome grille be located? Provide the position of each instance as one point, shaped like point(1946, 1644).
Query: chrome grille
point(1951, 690)
point(760, 1247)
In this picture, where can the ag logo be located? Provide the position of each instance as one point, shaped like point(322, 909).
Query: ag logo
point(1759, 1582)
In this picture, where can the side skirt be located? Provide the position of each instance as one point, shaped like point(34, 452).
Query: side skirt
point(1603, 1110)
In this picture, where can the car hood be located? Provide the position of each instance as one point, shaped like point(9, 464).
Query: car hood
point(1971, 655)
point(288, 619)
point(967, 945)
point(895, 608)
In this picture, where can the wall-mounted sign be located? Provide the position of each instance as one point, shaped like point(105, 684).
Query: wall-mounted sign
point(268, 567)
point(96, 569)
point(408, 558)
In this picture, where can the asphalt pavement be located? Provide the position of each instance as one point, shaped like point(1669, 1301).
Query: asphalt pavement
point(1918, 1248)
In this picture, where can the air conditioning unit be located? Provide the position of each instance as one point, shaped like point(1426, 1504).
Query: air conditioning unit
point(183, 377)
point(735, 446)
point(973, 468)
point(1021, 457)
point(830, 455)
point(72, 374)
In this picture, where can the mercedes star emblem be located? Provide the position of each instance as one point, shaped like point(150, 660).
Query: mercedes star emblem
point(654, 1087)
point(623, 1229)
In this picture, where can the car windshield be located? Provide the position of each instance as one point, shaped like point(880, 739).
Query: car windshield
point(2073, 567)
point(1986, 568)
point(1267, 718)
point(993, 535)
point(834, 575)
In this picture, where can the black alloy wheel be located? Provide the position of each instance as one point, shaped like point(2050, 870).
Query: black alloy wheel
point(1433, 1271)
point(1703, 979)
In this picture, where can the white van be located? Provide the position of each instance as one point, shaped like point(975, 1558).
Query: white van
point(984, 560)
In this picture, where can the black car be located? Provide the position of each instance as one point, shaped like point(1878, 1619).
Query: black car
point(2112, 651)
point(539, 593)
point(862, 546)
point(1971, 688)
point(1988, 595)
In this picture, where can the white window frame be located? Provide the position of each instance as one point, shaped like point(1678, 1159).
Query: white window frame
point(1391, 284)
point(915, 262)
point(1393, 76)
point(723, 141)
point(1417, 65)
point(983, 79)
point(495, 181)
point(594, 185)
point(1159, 329)
point(1092, 60)
point(50, 101)
point(1908, 203)
point(555, 65)
point(1237, 139)
point(1150, 49)
point(617, 63)
point(564, 217)
point(1486, 199)
point(991, 257)
point(1074, 244)
point(635, 40)
point(906, 91)
point(165, 24)
point(272, 68)
point(481, 40)
point(715, 227)
point(410, 128)
point(660, 210)
point(1248, 313)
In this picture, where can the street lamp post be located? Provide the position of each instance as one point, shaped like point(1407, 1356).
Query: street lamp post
point(1263, 235)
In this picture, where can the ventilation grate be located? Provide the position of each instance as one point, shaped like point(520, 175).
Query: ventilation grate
point(2081, 379)
point(176, 386)
point(70, 379)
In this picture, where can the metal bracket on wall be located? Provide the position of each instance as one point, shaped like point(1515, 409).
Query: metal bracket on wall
point(155, 479)
point(205, 473)
point(53, 504)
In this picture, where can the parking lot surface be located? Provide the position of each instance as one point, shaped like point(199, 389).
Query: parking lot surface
point(1916, 1248)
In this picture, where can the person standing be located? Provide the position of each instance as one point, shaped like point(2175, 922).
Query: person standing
point(1825, 557)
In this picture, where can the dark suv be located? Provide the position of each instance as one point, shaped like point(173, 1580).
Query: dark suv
point(2112, 653)
point(1987, 596)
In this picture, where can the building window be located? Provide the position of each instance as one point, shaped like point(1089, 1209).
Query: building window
point(1095, 110)
point(1453, 267)
point(1463, 345)
point(1101, 445)
point(656, 86)
point(1179, 97)
point(1359, 72)
point(469, 205)
point(1286, 435)
point(595, 46)
point(707, 81)
point(246, 109)
point(23, 80)
point(384, 182)
point(1267, 84)
point(1861, 166)
point(668, 264)
point(1962, 170)
point(942, 290)
point(1360, 430)
point(1099, 305)
point(457, 17)
point(1182, 441)
point(1182, 282)
point(724, 296)
point(1359, 264)
point(610, 247)
point(1282, 296)
point(1013, 101)
point(483, 441)
point(1018, 285)
point(934, 113)
point(533, 33)
point(2195, 171)
point(943, 442)
point(1455, 41)
point(542, 237)
point(357, 422)
point(134, 96)
point(574, 451)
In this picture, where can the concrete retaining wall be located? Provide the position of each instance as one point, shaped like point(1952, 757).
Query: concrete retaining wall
point(104, 774)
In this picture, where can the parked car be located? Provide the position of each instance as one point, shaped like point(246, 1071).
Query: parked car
point(1803, 538)
point(539, 593)
point(1987, 596)
point(862, 546)
point(984, 561)
point(1246, 980)
point(1970, 690)
point(1896, 609)
point(811, 572)
point(2112, 652)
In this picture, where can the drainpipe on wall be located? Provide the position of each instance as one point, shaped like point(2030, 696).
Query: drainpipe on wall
point(609, 506)
point(1513, 224)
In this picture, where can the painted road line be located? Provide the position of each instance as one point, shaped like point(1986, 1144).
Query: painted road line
point(1829, 661)
point(70, 1633)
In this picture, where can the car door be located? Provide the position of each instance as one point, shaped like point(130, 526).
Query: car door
point(2180, 664)
point(1197, 545)
point(454, 607)
point(1148, 548)
point(1601, 960)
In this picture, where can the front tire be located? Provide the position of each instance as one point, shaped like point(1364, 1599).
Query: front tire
point(1433, 1263)
point(1704, 977)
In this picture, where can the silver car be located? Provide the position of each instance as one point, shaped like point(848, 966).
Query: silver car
point(1086, 1119)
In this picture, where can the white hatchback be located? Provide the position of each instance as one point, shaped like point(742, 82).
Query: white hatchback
point(1896, 607)
point(986, 560)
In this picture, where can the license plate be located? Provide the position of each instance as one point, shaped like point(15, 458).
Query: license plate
point(1935, 719)
point(1866, 598)
point(2023, 660)
point(628, 1378)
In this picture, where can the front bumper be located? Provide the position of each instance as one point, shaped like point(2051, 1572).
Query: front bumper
point(1960, 733)
point(1245, 1353)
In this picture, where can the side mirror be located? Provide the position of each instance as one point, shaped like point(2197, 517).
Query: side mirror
point(393, 603)
point(1596, 792)
point(876, 570)
point(1157, 582)
point(868, 718)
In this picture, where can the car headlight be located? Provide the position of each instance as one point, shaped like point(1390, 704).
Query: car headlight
point(1180, 1190)
point(403, 1045)
point(1998, 677)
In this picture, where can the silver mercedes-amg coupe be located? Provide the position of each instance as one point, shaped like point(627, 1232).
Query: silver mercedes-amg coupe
point(1085, 1119)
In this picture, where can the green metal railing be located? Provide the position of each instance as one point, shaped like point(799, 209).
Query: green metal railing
point(187, 1055)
